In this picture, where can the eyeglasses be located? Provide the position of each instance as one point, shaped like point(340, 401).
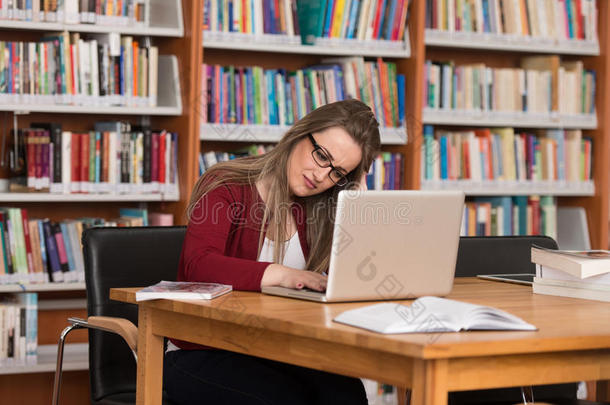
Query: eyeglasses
point(320, 156)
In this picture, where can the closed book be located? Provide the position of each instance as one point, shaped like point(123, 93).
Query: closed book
point(311, 15)
point(551, 275)
point(182, 290)
point(580, 264)
point(431, 314)
point(550, 288)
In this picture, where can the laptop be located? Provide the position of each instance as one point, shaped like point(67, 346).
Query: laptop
point(390, 245)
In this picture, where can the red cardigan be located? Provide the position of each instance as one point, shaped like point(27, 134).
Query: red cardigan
point(221, 241)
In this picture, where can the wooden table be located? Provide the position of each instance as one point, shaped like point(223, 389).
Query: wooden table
point(572, 343)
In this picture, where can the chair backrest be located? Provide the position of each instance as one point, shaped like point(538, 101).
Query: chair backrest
point(498, 254)
point(122, 257)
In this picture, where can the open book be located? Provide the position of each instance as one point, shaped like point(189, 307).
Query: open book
point(431, 314)
point(182, 290)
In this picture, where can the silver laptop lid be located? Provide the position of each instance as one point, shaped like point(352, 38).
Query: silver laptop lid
point(394, 244)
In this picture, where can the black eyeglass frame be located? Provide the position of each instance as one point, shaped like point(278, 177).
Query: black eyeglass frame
point(316, 147)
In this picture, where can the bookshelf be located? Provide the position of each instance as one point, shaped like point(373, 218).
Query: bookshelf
point(76, 358)
point(501, 51)
point(170, 28)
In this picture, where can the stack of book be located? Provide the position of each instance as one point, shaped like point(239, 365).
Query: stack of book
point(576, 274)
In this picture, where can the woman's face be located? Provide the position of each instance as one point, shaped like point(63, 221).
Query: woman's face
point(306, 177)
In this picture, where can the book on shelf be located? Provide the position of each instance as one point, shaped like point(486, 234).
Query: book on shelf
point(38, 251)
point(18, 329)
point(541, 86)
point(113, 158)
point(253, 95)
point(506, 154)
point(431, 315)
point(182, 290)
point(80, 69)
point(386, 172)
point(506, 215)
point(347, 20)
point(543, 19)
point(579, 264)
point(109, 12)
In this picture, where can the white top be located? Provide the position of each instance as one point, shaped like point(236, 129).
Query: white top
point(293, 257)
point(293, 254)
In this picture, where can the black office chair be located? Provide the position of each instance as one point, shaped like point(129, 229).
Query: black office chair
point(505, 255)
point(119, 257)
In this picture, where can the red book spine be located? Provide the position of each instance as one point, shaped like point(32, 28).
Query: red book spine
point(28, 242)
point(84, 162)
point(30, 153)
point(376, 21)
point(36, 137)
point(162, 143)
point(75, 162)
point(396, 23)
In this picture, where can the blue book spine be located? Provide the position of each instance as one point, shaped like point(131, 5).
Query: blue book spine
point(486, 26)
point(122, 71)
point(98, 162)
point(390, 22)
point(289, 105)
point(370, 177)
point(55, 266)
point(353, 19)
point(569, 14)
point(338, 76)
point(250, 95)
point(428, 138)
point(68, 243)
point(28, 7)
point(443, 142)
point(328, 18)
point(400, 83)
point(32, 325)
point(230, 19)
point(381, 18)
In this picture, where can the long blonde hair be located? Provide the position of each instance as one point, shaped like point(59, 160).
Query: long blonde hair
point(357, 119)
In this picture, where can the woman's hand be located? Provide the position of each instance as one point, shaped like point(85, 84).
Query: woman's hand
point(276, 274)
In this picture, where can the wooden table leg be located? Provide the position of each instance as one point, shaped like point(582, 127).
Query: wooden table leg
point(150, 361)
point(602, 391)
point(429, 383)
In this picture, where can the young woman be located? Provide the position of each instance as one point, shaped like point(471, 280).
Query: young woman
point(265, 221)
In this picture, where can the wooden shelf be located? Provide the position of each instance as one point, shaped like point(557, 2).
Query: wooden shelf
point(48, 197)
point(76, 357)
point(292, 44)
point(273, 133)
point(45, 287)
point(165, 21)
point(496, 188)
point(169, 101)
point(508, 119)
point(512, 43)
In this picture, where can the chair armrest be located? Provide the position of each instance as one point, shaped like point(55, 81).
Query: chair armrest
point(121, 326)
